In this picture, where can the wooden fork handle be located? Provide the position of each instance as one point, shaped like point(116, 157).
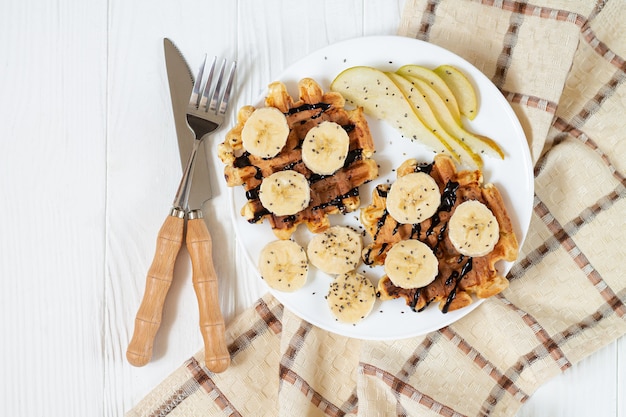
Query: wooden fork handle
point(158, 281)
point(212, 327)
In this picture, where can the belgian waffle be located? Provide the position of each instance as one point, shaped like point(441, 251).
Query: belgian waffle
point(330, 194)
point(459, 276)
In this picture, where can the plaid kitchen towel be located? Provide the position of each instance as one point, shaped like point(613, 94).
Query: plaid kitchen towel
point(561, 65)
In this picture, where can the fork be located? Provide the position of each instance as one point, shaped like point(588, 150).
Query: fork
point(205, 113)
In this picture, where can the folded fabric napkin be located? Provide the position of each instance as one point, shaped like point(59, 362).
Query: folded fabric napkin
point(563, 72)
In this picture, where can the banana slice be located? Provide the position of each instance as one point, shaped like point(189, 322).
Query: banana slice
point(411, 264)
point(265, 132)
point(413, 198)
point(337, 250)
point(283, 265)
point(325, 148)
point(351, 297)
point(473, 229)
point(285, 193)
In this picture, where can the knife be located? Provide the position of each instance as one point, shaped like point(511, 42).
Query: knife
point(199, 245)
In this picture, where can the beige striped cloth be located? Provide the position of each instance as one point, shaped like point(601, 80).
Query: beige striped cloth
point(561, 64)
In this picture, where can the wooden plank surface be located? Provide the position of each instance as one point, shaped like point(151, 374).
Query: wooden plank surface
point(88, 169)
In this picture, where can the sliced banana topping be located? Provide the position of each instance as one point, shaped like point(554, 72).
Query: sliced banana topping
point(351, 297)
point(411, 264)
point(325, 148)
point(283, 265)
point(413, 198)
point(265, 132)
point(285, 192)
point(473, 229)
point(337, 250)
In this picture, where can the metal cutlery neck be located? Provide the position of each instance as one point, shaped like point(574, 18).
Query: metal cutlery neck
point(181, 200)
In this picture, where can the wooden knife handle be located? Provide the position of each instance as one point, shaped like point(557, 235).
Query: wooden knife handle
point(212, 327)
point(158, 281)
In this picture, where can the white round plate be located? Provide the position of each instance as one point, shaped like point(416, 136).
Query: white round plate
point(513, 177)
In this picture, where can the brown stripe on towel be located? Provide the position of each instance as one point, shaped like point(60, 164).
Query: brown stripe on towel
point(409, 367)
point(351, 405)
point(484, 364)
point(601, 48)
point(270, 317)
point(512, 374)
point(290, 376)
point(179, 395)
point(318, 400)
point(409, 391)
point(540, 333)
point(421, 352)
point(269, 320)
point(428, 19)
point(580, 259)
point(590, 321)
point(530, 101)
point(211, 388)
point(295, 345)
point(510, 40)
point(571, 130)
point(593, 105)
point(571, 228)
point(537, 11)
point(590, 213)
point(540, 352)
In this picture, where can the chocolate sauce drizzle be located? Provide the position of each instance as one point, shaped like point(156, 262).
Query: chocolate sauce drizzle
point(305, 107)
point(467, 266)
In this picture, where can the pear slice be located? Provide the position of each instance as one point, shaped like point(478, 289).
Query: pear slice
point(380, 97)
point(482, 145)
point(462, 89)
point(436, 82)
point(428, 117)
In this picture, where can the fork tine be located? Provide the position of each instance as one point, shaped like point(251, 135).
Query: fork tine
point(194, 100)
point(207, 87)
point(218, 87)
point(228, 89)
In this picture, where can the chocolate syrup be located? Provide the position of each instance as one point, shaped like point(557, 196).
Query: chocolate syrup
point(348, 128)
point(243, 160)
point(353, 155)
point(380, 223)
point(416, 298)
point(259, 215)
point(416, 230)
point(448, 197)
point(425, 167)
point(253, 193)
point(338, 201)
point(467, 266)
point(425, 305)
point(305, 107)
point(366, 258)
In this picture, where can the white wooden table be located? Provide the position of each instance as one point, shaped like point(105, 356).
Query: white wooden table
point(88, 169)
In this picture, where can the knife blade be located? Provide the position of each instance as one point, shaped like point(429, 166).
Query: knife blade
point(180, 80)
